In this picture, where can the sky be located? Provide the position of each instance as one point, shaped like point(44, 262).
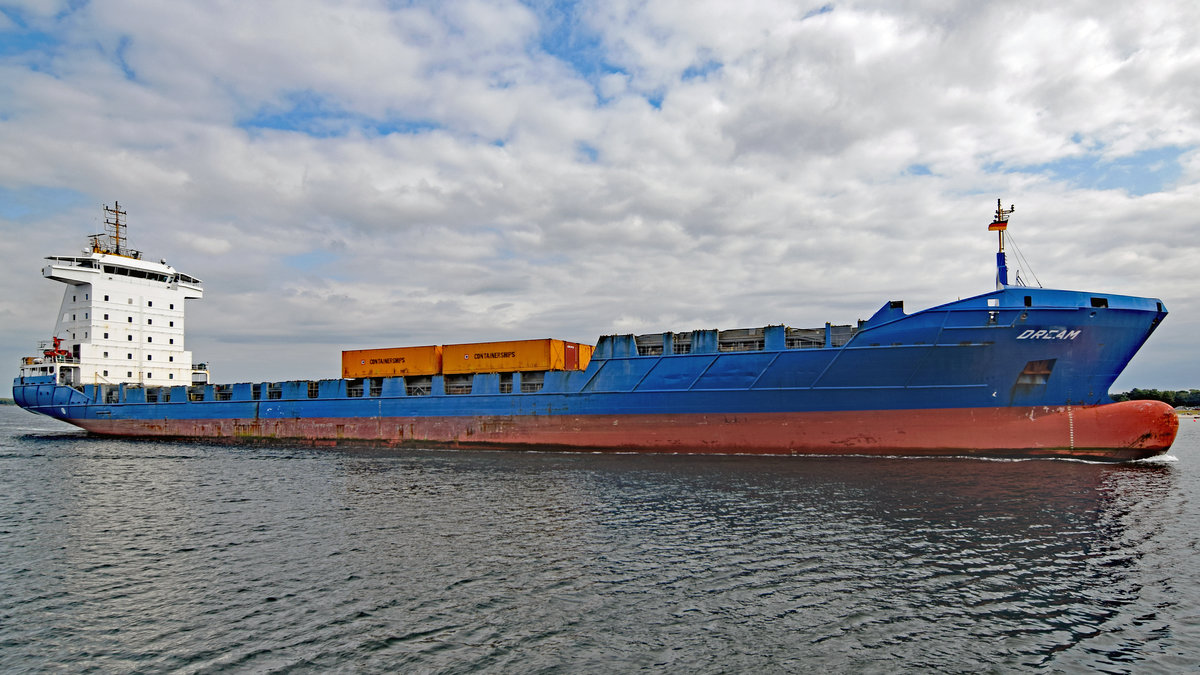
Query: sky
point(355, 174)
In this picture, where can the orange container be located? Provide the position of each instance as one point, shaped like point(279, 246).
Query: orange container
point(392, 361)
point(505, 357)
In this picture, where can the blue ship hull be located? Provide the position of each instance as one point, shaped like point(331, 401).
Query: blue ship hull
point(960, 378)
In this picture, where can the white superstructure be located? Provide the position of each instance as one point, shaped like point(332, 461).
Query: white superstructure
point(121, 319)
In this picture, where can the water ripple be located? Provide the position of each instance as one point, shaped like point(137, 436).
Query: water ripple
point(152, 557)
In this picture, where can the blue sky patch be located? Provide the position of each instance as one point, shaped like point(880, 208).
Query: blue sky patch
point(119, 58)
point(918, 170)
point(398, 126)
point(38, 203)
point(1142, 173)
point(588, 152)
point(305, 112)
point(566, 37)
point(24, 39)
point(310, 113)
point(823, 9)
point(701, 70)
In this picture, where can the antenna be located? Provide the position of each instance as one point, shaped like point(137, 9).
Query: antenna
point(113, 240)
point(999, 225)
point(113, 225)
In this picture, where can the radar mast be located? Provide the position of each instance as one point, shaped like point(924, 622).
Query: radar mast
point(999, 225)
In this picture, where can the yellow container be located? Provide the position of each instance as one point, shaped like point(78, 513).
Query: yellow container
point(503, 357)
point(585, 355)
point(392, 361)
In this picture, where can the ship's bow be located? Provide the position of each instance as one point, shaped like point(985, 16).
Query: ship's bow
point(1125, 430)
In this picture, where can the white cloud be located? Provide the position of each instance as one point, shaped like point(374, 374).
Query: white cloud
point(209, 246)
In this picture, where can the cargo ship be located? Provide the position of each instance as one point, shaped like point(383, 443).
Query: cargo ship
point(1018, 371)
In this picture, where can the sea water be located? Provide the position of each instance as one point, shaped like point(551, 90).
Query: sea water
point(141, 556)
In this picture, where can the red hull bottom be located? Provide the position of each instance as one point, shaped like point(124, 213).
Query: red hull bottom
point(1113, 432)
